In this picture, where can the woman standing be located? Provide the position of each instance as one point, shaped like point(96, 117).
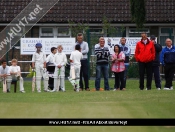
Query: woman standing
point(118, 67)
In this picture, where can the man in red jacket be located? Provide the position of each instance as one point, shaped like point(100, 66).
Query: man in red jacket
point(144, 55)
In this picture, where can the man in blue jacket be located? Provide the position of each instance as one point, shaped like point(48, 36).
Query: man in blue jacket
point(167, 58)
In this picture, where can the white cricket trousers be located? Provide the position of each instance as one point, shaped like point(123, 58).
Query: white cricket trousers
point(59, 80)
point(39, 74)
point(77, 76)
point(21, 82)
point(9, 80)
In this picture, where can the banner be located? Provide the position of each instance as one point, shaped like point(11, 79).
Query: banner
point(87, 122)
point(28, 44)
point(130, 41)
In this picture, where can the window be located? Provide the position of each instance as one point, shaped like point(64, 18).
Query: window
point(164, 33)
point(46, 32)
point(54, 32)
point(134, 32)
point(63, 32)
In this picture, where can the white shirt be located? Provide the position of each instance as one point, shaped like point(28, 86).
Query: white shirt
point(50, 58)
point(4, 70)
point(76, 56)
point(169, 47)
point(60, 59)
point(14, 69)
point(39, 59)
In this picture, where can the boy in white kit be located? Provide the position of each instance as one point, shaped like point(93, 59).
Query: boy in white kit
point(15, 72)
point(50, 57)
point(60, 61)
point(39, 64)
point(5, 74)
point(75, 59)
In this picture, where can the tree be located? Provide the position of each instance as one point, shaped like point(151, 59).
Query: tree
point(138, 12)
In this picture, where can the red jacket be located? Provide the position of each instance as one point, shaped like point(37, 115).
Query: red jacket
point(145, 52)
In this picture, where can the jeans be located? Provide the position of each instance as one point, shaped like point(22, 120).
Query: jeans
point(104, 68)
point(125, 75)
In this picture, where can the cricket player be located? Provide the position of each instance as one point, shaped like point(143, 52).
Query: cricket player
point(51, 67)
point(39, 64)
point(50, 57)
point(75, 60)
point(5, 73)
point(60, 61)
point(15, 72)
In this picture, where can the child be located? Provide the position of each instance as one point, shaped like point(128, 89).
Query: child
point(60, 61)
point(75, 58)
point(39, 64)
point(50, 57)
point(5, 73)
point(51, 67)
point(15, 73)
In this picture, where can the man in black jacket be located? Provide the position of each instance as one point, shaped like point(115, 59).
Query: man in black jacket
point(156, 63)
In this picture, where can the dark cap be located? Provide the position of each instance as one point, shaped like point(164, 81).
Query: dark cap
point(152, 37)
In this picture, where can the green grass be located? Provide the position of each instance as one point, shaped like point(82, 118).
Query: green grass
point(131, 103)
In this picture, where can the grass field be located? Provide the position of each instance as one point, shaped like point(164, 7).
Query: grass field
point(131, 103)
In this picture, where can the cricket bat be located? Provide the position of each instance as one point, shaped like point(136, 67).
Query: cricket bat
point(72, 72)
point(33, 81)
point(4, 86)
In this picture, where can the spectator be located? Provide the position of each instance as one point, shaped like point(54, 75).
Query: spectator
point(118, 67)
point(102, 65)
point(167, 58)
point(145, 54)
point(156, 63)
point(127, 51)
point(84, 62)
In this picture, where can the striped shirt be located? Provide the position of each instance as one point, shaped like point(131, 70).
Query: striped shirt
point(118, 66)
point(102, 54)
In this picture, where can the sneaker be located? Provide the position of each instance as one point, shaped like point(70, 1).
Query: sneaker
point(146, 89)
point(158, 88)
point(8, 91)
point(52, 91)
point(87, 89)
point(166, 88)
point(77, 89)
point(171, 88)
point(22, 91)
point(114, 89)
point(39, 91)
point(46, 90)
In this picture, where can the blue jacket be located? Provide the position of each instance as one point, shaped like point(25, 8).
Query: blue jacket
point(166, 50)
point(127, 50)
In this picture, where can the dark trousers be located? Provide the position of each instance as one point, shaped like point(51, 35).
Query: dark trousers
point(148, 67)
point(84, 74)
point(51, 82)
point(119, 80)
point(169, 74)
point(156, 72)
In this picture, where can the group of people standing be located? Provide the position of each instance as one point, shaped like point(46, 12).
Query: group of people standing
point(148, 54)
